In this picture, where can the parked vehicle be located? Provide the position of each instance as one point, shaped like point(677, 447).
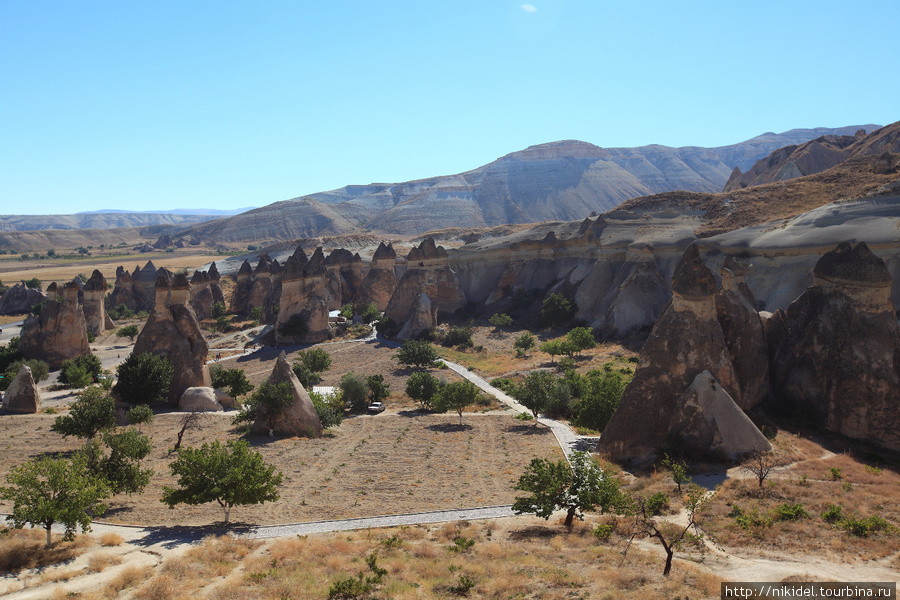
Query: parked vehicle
point(376, 407)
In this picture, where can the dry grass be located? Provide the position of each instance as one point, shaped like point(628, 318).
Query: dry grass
point(127, 578)
point(4, 319)
point(25, 549)
point(111, 539)
point(99, 561)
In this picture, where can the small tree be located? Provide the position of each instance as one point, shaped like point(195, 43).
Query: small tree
point(354, 392)
point(93, 412)
point(423, 387)
point(456, 396)
point(218, 310)
point(581, 338)
point(121, 467)
point(144, 379)
point(54, 490)
point(760, 464)
point(535, 391)
point(34, 283)
point(368, 313)
point(230, 475)
point(678, 471)
point(233, 381)
point(270, 400)
point(669, 535)
point(557, 485)
point(601, 392)
point(80, 371)
point(346, 311)
point(500, 320)
point(553, 348)
point(314, 359)
point(523, 344)
point(139, 415)
point(329, 409)
point(129, 331)
point(556, 310)
point(378, 389)
point(188, 421)
point(256, 314)
point(417, 354)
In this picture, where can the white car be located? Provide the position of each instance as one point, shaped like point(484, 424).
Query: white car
point(376, 407)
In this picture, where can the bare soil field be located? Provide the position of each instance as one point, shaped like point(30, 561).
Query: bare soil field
point(370, 465)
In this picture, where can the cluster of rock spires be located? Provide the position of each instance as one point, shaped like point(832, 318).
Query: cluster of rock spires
point(833, 354)
point(59, 332)
point(19, 299)
point(137, 290)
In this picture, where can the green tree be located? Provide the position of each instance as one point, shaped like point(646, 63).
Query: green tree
point(94, 411)
point(456, 396)
point(535, 391)
point(601, 392)
point(218, 310)
point(670, 536)
point(51, 252)
point(678, 470)
point(417, 354)
point(354, 392)
point(144, 379)
point(557, 485)
point(581, 338)
point(422, 387)
point(139, 415)
point(256, 314)
point(129, 331)
point(230, 475)
point(523, 344)
point(347, 311)
point(80, 371)
point(329, 409)
point(555, 348)
point(499, 320)
point(121, 467)
point(557, 310)
point(33, 283)
point(232, 381)
point(368, 313)
point(54, 490)
point(316, 360)
point(378, 389)
point(270, 400)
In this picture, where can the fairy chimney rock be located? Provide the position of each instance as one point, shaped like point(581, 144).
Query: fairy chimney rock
point(22, 395)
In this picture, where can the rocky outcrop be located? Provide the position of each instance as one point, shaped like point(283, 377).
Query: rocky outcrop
point(137, 290)
point(428, 271)
point(744, 334)
point(303, 307)
point(19, 299)
point(345, 276)
point(163, 242)
point(214, 287)
point(835, 351)
point(380, 281)
point(22, 395)
point(710, 423)
point(59, 333)
point(172, 331)
point(201, 295)
point(145, 248)
point(199, 399)
point(240, 299)
point(94, 303)
point(299, 418)
point(422, 317)
point(262, 289)
point(686, 341)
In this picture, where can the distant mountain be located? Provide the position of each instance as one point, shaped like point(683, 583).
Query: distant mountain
point(174, 211)
point(98, 220)
point(815, 156)
point(562, 180)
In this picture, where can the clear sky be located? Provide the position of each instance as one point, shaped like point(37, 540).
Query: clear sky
point(163, 104)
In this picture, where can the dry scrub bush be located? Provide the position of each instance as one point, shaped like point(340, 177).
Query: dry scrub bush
point(111, 539)
point(128, 578)
point(25, 549)
point(161, 587)
point(100, 561)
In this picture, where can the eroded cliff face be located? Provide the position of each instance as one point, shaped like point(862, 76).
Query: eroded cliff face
point(304, 301)
point(94, 303)
point(427, 271)
point(835, 351)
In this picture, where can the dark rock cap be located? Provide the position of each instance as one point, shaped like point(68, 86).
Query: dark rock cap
point(214, 273)
point(384, 252)
point(149, 267)
point(120, 271)
point(853, 263)
point(97, 282)
point(275, 268)
point(550, 238)
point(163, 282)
point(293, 269)
point(732, 264)
point(180, 282)
point(199, 277)
point(245, 269)
point(315, 266)
point(52, 287)
point(164, 272)
point(692, 280)
point(263, 265)
point(339, 256)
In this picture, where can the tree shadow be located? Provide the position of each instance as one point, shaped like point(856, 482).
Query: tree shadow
point(533, 532)
point(449, 427)
point(529, 429)
point(174, 536)
point(414, 412)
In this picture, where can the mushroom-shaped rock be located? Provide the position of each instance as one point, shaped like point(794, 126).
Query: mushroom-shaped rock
point(708, 422)
point(199, 399)
point(22, 394)
point(297, 419)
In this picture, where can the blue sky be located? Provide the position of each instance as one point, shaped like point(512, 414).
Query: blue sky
point(226, 104)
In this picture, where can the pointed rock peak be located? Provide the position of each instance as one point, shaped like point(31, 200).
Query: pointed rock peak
point(163, 272)
point(315, 265)
point(245, 269)
point(262, 266)
point(52, 287)
point(737, 269)
point(197, 278)
point(120, 271)
point(357, 258)
point(429, 250)
point(856, 264)
point(339, 256)
point(136, 273)
point(301, 255)
point(293, 269)
point(550, 238)
point(180, 282)
point(384, 252)
point(692, 280)
point(149, 267)
point(282, 370)
point(275, 267)
point(585, 226)
point(214, 272)
point(97, 282)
